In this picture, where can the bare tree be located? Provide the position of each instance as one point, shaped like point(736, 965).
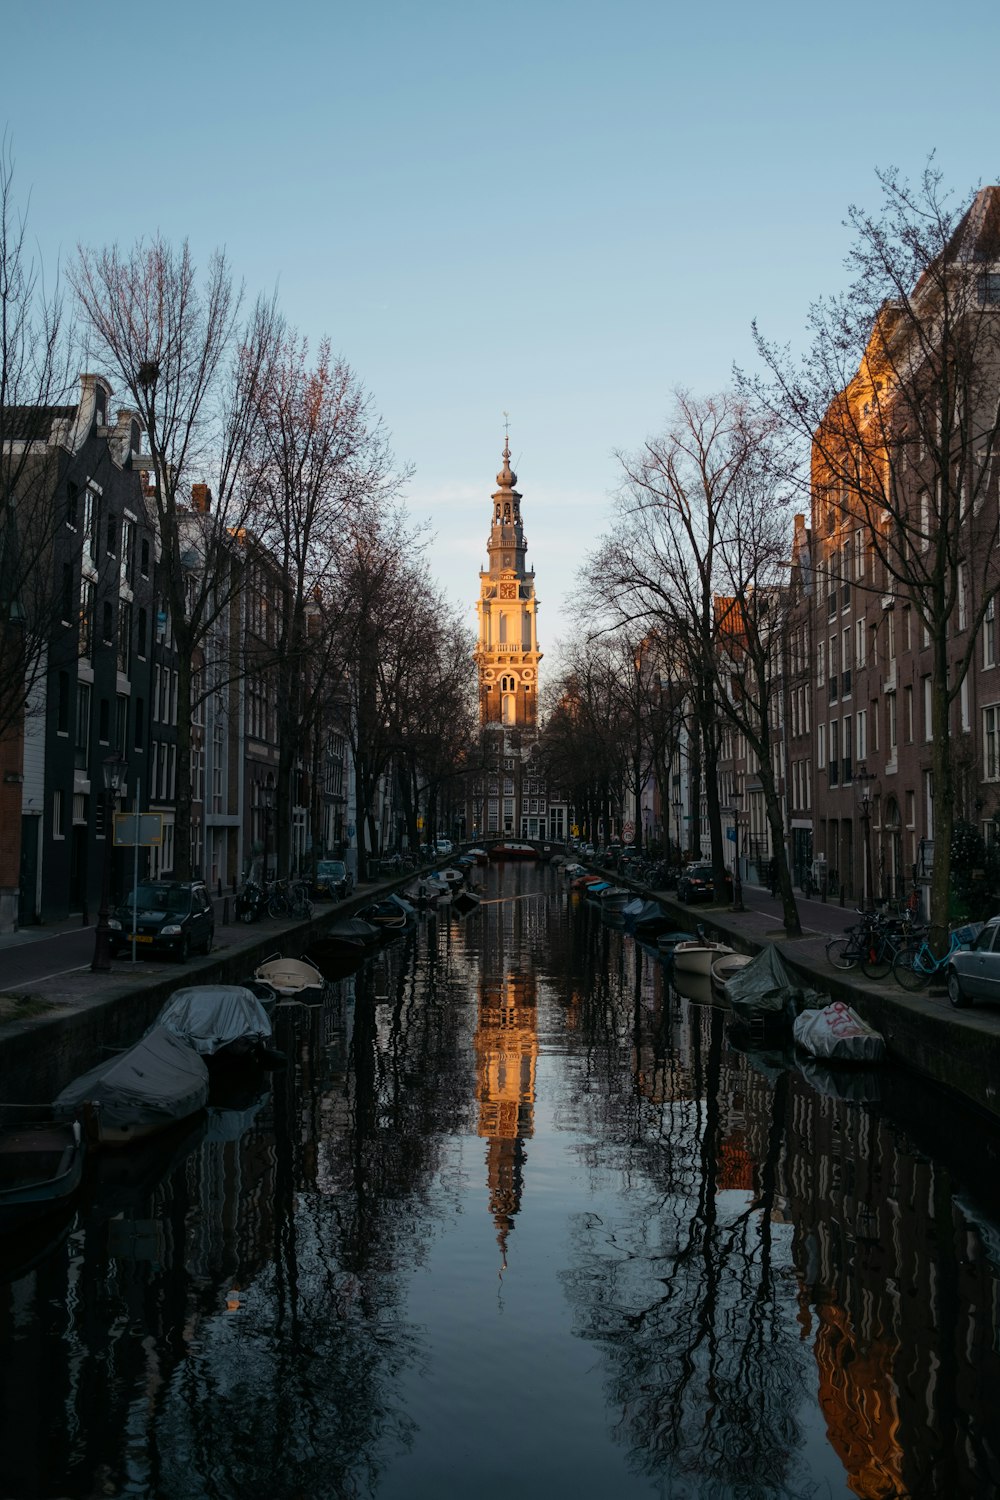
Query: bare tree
point(322, 457)
point(898, 398)
point(34, 385)
point(193, 368)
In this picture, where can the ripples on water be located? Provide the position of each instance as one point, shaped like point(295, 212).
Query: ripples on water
point(519, 1220)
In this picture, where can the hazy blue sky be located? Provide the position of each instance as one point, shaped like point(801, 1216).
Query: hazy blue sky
point(562, 211)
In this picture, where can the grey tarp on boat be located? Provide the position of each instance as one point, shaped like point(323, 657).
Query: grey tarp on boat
point(158, 1081)
point(836, 1033)
point(766, 987)
point(213, 1016)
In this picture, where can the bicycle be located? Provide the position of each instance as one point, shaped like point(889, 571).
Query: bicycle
point(871, 944)
point(917, 964)
point(289, 898)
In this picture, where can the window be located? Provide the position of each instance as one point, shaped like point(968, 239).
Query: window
point(834, 766)
point(128, 551)
point(62, 704)
point(58, 815)
point(83, 698)
point(86, 617)
point(89, 524)
point(988, 287)
point(908, 714)
point(861, 731)
point(990, 634)
point(928, 711)
point(66, 594)
point(961, 586)
point(847, 769)
point(124, 636)
point(907, 628)
point(890, 723)
point(991, 747)
point(859, 644)
point(821, 746)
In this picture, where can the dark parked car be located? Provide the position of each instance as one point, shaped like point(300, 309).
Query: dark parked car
point(171, 916)
point(332, 880)
point(697, 884)
point(974, 973)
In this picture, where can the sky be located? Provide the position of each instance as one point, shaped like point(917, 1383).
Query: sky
point(559, 211)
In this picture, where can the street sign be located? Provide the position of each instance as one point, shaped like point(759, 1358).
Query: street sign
point(731, 835)
point(143, 829)
point(628, 831)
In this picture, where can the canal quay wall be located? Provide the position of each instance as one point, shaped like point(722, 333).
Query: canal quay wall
point(958, 1050)
point(74, 1019)
point(87, 1015)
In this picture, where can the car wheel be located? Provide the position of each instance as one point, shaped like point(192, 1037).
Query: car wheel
point(184, 949)
point(956, 994)
point(206, 946)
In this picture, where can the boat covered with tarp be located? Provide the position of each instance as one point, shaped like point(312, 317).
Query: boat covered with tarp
point(140, 1091)
point(766, 994)
point(836, 1033)
point(224, 1021)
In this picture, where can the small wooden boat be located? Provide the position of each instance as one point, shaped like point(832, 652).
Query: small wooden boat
point(582, 882)
point(293, 978)
point(386, 916)
point(666, 942)
point(424, 894)
point(480, 856)
point(698, 956)
point(513, 851)
point(140, 1091)
point(452, 877)
point(724, 968)
point(41, 1163)
point(465, 901)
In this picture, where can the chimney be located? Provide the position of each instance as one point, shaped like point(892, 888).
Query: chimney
point(201, 498)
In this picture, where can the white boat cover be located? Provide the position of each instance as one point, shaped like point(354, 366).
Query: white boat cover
point(158, 1081)
point(212, 1016)
point(837, 1033)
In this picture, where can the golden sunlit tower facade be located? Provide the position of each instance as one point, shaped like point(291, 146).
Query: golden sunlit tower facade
point(507, 654)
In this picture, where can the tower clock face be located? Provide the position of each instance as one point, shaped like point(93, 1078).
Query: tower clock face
point(508, 591)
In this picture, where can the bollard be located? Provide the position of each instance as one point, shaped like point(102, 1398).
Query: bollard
point(225, 911)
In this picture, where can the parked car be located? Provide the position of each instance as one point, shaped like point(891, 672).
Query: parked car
point(974, 973)
point(333, 881)
point(443, 846)
point(697, 884)
point(171, 916)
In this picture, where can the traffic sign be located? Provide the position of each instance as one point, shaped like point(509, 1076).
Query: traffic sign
point(628, 831)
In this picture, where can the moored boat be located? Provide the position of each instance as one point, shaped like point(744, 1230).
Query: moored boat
point(724, 967)
point(138, 1092)
point(513, 851)
point(765, 997)
point(222, 1022)
point(41, 1163)
point(697, 956)
point(465, 901)
point(292, 978)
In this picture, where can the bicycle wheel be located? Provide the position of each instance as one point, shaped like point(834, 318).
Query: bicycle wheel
point(277, 907)
point(842, 953)
point(908, 968)
point(876, 958)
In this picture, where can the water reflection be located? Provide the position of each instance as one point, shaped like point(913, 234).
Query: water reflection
point(723, 1272)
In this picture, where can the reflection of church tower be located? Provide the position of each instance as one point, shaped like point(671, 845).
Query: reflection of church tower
point(506, 1048)
point(507, 654)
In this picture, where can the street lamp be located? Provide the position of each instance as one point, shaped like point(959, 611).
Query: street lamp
point(863, 779)
point(115, 769)
point(678, 810)
point(734, 812)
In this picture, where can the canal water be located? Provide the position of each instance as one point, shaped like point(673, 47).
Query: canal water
point(519, 1219)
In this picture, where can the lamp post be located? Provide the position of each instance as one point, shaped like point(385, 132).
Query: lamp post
point(863, 779)
point(115, 770)
point(678, 810)
point(737, 882)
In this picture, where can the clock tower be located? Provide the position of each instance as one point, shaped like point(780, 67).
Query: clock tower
point(507, 655)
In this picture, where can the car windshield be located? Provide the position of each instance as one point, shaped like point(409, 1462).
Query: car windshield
point(161, 898)
point(331, 869)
